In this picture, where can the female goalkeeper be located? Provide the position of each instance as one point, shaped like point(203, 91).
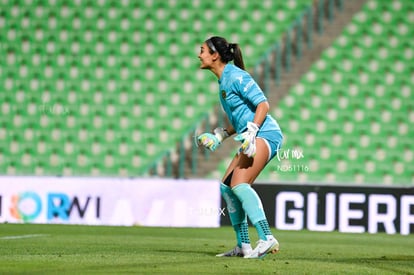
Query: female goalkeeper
point(260, 135)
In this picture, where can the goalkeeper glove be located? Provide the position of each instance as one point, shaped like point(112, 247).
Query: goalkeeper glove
point(248, 140)
point(211, 141)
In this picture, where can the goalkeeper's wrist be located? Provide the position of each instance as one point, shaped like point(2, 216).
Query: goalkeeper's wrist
point(221, 134)
point(251, 126)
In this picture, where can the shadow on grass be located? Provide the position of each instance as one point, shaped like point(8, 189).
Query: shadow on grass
point(175, 251)
point(391, 263)
point(385, 258)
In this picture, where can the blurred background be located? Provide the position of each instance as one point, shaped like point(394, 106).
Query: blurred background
point(112, 88)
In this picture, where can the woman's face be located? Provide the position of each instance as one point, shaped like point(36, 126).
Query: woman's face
point(206, 58)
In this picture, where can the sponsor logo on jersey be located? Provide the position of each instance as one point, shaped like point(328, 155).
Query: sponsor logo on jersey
point(249, 85)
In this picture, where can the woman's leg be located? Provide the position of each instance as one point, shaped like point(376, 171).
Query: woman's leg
point(244, 174)
point(245, 169)
point(238, 217)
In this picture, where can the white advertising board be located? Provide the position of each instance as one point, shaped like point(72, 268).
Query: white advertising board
point(110, 201)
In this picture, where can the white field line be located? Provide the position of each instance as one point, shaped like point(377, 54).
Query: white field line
point(23, 236)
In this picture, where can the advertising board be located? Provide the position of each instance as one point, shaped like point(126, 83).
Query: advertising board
point(110, 201)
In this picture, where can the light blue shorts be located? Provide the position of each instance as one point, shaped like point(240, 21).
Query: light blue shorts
point(274, 140)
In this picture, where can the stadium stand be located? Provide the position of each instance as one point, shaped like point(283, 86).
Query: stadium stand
point(104, 88)
point(351, 114)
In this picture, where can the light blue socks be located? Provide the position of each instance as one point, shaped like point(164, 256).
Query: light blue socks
point(237, 215)
point(253, 207)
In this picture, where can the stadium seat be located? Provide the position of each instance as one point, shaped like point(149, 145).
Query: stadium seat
point(358, 112)
point(99, 72)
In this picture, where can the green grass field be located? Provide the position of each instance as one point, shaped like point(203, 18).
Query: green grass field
point(57, 249)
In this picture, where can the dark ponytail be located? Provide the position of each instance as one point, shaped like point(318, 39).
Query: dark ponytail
point(237, 55)
point(227, 51)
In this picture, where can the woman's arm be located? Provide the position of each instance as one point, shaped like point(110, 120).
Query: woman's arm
point(261, 112)
point(230, 130)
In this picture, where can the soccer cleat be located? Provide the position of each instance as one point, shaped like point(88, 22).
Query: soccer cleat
point(246, 249)
point(263, 248)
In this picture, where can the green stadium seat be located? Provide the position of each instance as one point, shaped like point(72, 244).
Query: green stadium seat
point(371, 130)
point(98, 59)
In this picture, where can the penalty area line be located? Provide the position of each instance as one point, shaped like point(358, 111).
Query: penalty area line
point(23, 236)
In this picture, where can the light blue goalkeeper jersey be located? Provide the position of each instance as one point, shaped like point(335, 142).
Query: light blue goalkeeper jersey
point(239, 96)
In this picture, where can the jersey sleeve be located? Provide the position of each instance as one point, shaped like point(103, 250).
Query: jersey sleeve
point(248, 89)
